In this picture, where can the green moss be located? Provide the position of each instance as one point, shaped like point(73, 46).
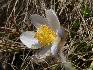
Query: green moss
point(83, 48)
point(72, 34)
point(75, 25)
point(74, 29)
point(85, 11)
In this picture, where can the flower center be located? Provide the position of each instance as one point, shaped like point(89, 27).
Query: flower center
point(45, 35)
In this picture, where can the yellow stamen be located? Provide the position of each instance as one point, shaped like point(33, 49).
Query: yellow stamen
point(45, 35)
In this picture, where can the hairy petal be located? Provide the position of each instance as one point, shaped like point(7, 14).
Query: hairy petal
point(52, 19)
point(37, 20)
point(41, 55)
point(61, 32)
point(55, 46)
point(67, 65)
point(28, 39)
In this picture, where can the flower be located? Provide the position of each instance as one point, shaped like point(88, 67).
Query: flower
point(47, 35)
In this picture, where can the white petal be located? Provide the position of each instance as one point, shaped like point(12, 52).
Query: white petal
point(61, 32)
point(37, 20)
point(52, 19)
point(54, 48)
point(44, 53)
point(28, 39)
point(41, 54)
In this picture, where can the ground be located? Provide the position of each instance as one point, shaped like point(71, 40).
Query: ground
point(74, 15)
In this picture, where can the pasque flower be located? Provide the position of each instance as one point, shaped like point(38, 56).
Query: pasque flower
point(47, 35)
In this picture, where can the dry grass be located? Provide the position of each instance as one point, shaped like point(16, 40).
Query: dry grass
point(74, 15)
